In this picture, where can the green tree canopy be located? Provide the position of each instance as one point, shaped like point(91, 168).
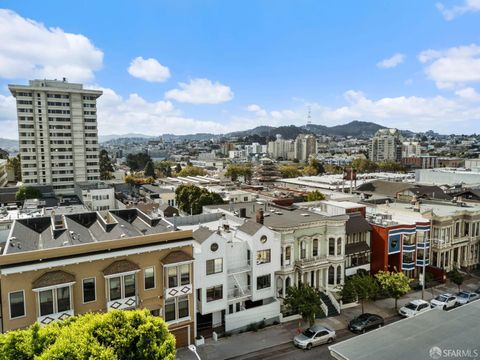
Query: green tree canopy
point(456, 277)
point(27, 192)
point(119, 335)
point(289, 171)
point(191, 198)
point(304, 300)
point(235, 170)
point(394, 284)
point(364, 165)
point(106, 166)
point(390, 166)
point(191, 170)
point(361, 287)
point(138, 161)
point(149, 170)
point(164, 168)
point(315, 196)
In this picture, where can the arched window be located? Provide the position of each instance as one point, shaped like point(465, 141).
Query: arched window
point(331, 246)
point(339, 275)
point(331, 275)
point(303, 250)
point(339, 246)
point(315, 247)
point(287, 283)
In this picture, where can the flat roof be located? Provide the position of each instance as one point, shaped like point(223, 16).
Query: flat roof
point(414, 338)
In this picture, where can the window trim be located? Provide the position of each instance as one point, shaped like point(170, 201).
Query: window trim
point(94, 288)
point(122, 284)
point(154, 278)
point(24, 306)
point(268, 258)
point(266, 287)
point(214, 272)
point(54, 290)
point(213, 288)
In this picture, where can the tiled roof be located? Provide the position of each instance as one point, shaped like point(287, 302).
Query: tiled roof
point(53, 278)
point(120, 266)
point(176, 257)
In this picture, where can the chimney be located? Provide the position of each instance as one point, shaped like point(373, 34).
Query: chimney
point(260, 216)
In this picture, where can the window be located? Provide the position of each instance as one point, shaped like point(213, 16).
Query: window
point(170, 309)
point(315, 247)
point(263, 256)
point(183, 307)
point(215, 293)
point(54, 300)
point(331, 246)
point(89, 290)
point(339, 246)
point(214, 266)
point(263, 282)
point(263, 239)
point(149, 278)
point(303, 250)
point(172, 277)
point(177, 308)
point(288, 255)
point(184, 274)
point(213, 247)
point(120, 287)
point(17, 304)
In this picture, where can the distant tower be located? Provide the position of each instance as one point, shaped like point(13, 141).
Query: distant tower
point(309, 116)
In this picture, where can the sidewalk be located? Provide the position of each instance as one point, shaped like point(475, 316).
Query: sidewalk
point(244, 343)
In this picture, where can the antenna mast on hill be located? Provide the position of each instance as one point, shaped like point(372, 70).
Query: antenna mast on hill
point(309, 116)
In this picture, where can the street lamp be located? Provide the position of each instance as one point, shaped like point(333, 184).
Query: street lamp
point(193, 349)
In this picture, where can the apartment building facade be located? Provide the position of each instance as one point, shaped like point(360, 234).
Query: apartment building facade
point(123, 260)
point(235, 274)
point(58, 139)
point(385, 145)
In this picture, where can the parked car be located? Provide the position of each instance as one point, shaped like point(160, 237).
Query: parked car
point(366, 322)
point(414, 307)
point(444, 301)
point(464, 297)
point(313, 336)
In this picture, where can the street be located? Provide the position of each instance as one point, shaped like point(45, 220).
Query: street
point(289, 351)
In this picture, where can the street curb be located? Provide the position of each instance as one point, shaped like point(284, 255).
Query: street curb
point(257, 351)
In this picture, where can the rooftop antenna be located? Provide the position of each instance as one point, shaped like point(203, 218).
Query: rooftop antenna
point(309, 116)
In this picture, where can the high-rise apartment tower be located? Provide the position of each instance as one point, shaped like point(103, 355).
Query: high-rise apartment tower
point(57, 128)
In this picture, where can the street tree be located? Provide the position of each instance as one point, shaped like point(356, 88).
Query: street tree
point(394, 284)
point(117, 334)
point(27, 192)
point(191, 198)
point(149, 170)
point(191, 170)
point(456, 277)
point(106, 166)
point(304, 300)
point(359, 287)
point(138, 161)
point(289, 171)
point(315, 196)
point(235, 170)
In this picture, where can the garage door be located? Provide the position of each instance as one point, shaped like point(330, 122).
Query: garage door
point(182, 337)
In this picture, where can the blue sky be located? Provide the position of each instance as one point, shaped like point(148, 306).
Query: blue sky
point(406, 64)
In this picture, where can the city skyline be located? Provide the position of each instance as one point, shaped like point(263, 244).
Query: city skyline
point(214, 67)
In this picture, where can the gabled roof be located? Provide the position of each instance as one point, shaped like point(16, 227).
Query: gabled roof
point(383, 187)
point(53, 278)
point(202, 234)
point(120, 266)
point(176, 257)
point(250, 227)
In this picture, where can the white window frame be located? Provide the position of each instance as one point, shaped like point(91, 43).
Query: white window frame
point(94, 288)
point(122, 283)
point(154, 278)
point(54, 297)
point(214, 272)
point(176, 302)
point(24, 305)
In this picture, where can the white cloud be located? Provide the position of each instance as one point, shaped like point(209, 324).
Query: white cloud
point(117, 115)
point(8, 117)
point(148, 69)
point(201, 91)
point(469, 94)
point(260, 112)
point(452, 67)
point(450, 13)
point(29, 50)
point(392, 61)
point(455, 114)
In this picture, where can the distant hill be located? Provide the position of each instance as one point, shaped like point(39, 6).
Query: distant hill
point(105, 138)
point(354, 128)
point(9, 145)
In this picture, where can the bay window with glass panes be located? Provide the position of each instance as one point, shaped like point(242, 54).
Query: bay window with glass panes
point(177, 308)
point(55, 300)
point(177, 275)
point(121, 286)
